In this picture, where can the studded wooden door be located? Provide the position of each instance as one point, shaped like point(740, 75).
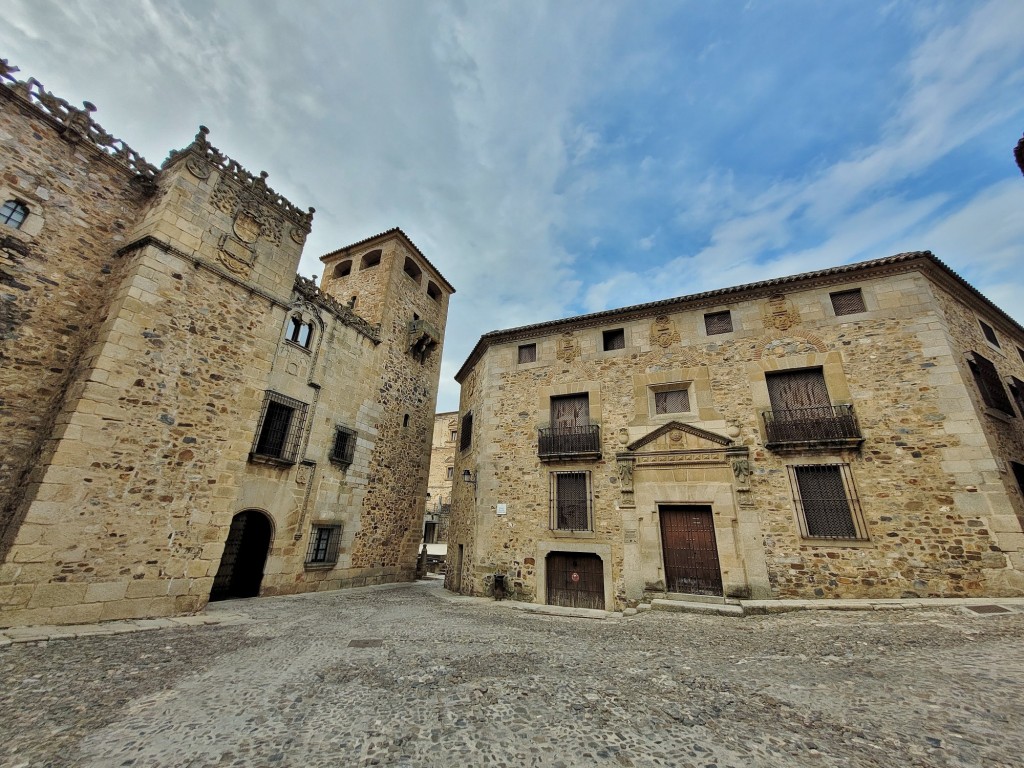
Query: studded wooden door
point(575, 580)
point(690, 550)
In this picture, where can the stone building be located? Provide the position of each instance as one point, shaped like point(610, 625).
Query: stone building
point(439, 481)
point(182, 417)
point(851, 432)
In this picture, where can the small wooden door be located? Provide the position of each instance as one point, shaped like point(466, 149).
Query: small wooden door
point(575, 580)
point(570, 411)
point(690, 550)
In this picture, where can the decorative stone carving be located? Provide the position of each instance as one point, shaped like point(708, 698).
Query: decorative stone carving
point(247, 227)
point(236, 256)
point(779, 345)
point(780, 314)
point(568, 347)
point(741, 471)
point(298, 235)
point(198, 167)
point(663, 332)
point(625, 474)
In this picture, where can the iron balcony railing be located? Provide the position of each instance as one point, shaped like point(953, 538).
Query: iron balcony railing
point(821, 424)
point(559, 442)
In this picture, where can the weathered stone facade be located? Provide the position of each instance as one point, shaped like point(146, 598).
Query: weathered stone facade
point(898, 480)
point(167, 383)
point(441, 477)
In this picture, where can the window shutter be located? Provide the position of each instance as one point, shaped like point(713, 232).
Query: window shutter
point(796, 390)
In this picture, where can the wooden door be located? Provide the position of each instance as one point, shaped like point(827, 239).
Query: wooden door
point(575, 580)
point(570, 411)
point(690, 550)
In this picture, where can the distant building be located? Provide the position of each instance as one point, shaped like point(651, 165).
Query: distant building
point(439, 488)
point(182, 418)
point(851, 432)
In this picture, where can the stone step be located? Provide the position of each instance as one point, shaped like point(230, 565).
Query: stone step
point(687, 606)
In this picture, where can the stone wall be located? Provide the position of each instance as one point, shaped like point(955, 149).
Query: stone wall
point(924, 534)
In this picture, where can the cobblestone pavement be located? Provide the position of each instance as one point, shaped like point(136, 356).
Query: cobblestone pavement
point(409, 676)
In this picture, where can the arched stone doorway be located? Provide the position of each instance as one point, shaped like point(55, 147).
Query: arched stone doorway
point(245, 554)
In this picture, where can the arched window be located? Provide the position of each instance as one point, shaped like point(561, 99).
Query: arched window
point(13, 214)
point(343, 268)
point(301, 333)
point(371, 259)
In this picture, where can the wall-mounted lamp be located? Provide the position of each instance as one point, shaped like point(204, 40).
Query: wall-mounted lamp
point(468, 477)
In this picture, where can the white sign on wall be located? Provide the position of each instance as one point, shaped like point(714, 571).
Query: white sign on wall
point(502, 509)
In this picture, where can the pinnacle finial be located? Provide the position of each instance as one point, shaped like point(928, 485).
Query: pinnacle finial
point(1018, 154)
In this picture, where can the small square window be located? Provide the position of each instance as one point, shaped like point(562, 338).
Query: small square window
point(614, 339)
point(675, 400)
point(990, 334)
point(450, 473)
point(344, 446)
point(848, 302)
point(324, 543)
point(13, 214)
point(718, 322)
point(455, 435)
point(527, 353)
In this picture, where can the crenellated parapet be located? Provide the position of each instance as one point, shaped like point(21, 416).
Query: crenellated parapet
point(75, 124)
point(237, 184)
point(308, 290)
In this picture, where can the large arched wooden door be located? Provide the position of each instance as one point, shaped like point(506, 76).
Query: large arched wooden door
point(245, 555)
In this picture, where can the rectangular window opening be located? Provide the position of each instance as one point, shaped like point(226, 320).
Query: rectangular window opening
point(672, 401)
point(826, 502)
point(615, 339)
point(570, 501)
point(718, 322)
point(986, 377)
point(279, 428)
point(466, 433)
point(527, 353)
point(344, 446)
point(848, 302)
point(990, 333)
point(324, 543)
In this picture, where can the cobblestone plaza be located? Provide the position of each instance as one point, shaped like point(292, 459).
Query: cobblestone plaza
point(408, 675)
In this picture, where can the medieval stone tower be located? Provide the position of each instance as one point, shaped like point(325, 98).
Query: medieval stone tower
point(183, 418)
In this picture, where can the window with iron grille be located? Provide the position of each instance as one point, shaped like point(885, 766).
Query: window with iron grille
point(990, 334)
point(826, 502)
point(986, 377)
point(13, 214)
point(675, 400)
point(466, 432)
point(718, 322)
point(299, 332)
point(570, 501)
point(848, 302)
point(279, 428)
point(614, 339)
point(344, 446)
point(324, 543)
point(527, 353)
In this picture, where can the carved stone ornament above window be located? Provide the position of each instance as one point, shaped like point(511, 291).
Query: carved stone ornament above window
point(780, 314)
point(663, 332)
point(246, 227)
point(568, 347)
point(198, 167)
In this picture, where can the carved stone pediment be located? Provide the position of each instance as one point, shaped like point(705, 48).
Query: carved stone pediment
point(677, 436)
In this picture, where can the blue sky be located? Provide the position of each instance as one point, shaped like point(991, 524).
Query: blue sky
point(554, 158)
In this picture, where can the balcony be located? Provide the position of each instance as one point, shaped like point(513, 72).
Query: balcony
point(828, 426)
point(556, 443)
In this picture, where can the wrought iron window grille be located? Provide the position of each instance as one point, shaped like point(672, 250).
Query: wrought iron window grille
point(826, 502)
point(343, 447)
point(466, 432)
point(668, 401)
point(615, 339)
point(527, 353)
point(324, 544)
point(718, 322)
point(848, 302)
point(571, 501)
point(279, 429)
point(989, 333)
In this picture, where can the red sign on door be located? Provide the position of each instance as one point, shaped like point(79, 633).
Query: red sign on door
point(575, 577)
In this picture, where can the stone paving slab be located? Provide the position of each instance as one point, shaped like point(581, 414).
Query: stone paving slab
point(43, 633)
point(408, 677)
